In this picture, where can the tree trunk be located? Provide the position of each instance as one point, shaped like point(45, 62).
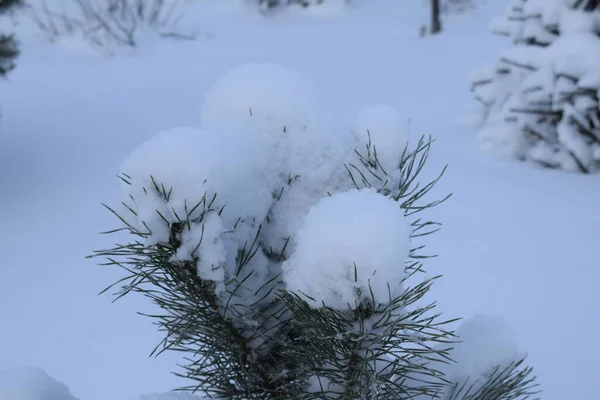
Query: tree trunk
point(436, 25)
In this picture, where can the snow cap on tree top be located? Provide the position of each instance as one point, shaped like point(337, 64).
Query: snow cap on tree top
point(388, 131)
point(261, 98)
point(31, 384)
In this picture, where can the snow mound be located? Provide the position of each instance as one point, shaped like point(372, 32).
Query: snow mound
point(313, 165)
point(265, 99)
point(388, 131)
point(199, 163)
point(276, 107)
point(262, 159)
point(502, 140)
point(350, 243)
point(169, 176)
point(31, 384)
point(487, 341)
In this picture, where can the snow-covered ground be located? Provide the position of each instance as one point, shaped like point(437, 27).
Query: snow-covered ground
point(517, 241)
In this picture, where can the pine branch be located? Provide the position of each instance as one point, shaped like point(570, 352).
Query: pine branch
point(369, 351)
point(8, 5)
point(223, 362)
point(8, 45)
point(8, 52)
point(512, 382)
point(517, 64)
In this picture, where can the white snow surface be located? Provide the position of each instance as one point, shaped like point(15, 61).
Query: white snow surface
point(388, 130)
point(350, 244)
point(504, 248)
point(31, 384)
point(486, 342)
point(192, 165)
point(262, 99)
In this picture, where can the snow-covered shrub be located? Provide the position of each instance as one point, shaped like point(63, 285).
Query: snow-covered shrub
point(107, 24)
point(31, 384)
point(459, 6)
point(269, 4)
point(8, 45)
point(541, 98)
point(284, 252)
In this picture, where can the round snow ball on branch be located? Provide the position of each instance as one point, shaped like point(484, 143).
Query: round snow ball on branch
point(487, 341)
point(388, 130)
point(172, 172)
point(350, 243)
point(31, 384)
point(266, 98)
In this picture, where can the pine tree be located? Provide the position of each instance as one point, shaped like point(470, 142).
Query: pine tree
point(261, 316)
point(541, 99)
point(8, 45)
point(436, 23)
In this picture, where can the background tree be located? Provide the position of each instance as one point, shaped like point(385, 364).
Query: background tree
point(436, 23)
point(8, 45)
point(541, 98)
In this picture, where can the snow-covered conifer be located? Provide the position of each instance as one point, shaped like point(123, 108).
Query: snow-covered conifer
point(8, 46)
point(285, 253)
point(541, 98)
point(31, 384)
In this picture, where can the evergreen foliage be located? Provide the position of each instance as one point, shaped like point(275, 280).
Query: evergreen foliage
point(8, 45)
point(541, 98)
point(270, 343)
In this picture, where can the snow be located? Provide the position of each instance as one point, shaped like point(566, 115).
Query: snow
point(501, 140)
point(388, 130)
point(316, 9)
point(313, 162)
point(198, 163)
point(577, 21)
point(67, 23)
point(31, 384)
point(277, 107)
point(267, 97)
point(504, 248)
point(486, 342)
point(552, 78)
point(551, 10)
point(262, 137)
point(254, 114)
point(351, 244)
point(192, 165)
point(203, 241)
point(199, 175)
point(575, 54)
